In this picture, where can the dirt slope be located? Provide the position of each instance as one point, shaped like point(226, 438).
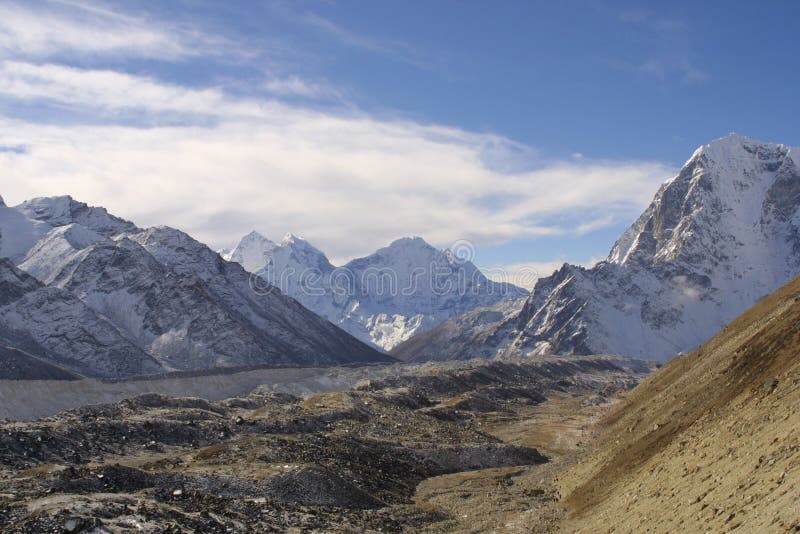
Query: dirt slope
point(710, 442)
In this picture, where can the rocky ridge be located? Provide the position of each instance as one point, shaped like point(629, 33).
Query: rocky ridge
point(716, 238)
point(385, 298)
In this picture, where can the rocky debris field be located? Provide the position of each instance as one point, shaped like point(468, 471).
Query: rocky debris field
point(349, 461)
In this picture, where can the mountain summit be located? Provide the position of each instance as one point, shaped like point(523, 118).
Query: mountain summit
point(721, 234)
point(384, 298)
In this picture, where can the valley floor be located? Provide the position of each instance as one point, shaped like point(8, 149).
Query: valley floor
point(470, 449)
point(523, 498)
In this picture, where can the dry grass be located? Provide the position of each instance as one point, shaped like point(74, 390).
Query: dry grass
point(710, 442)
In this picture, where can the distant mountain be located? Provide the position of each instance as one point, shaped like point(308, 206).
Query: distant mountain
point(286, 329)
point(383, 299)
point(63, 210)
point(108, 299)
point(716, 238)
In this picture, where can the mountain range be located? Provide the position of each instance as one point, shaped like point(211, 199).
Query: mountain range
point(716, 238)
point(383, 299)
point(86, 293)
point(95, 295)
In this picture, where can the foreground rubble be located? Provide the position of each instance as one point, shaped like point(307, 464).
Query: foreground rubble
point(348, 461)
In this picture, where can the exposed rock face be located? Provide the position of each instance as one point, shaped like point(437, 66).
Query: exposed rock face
point(383, 299)
point(53, 324)
point(716, 238)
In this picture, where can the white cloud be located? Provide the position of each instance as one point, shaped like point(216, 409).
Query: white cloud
point(348, 182)
point(526, 274)
point(103, 90)
point(295, 86)
point(62, 27)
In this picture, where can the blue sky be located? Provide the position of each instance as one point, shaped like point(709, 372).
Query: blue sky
point(537, 130)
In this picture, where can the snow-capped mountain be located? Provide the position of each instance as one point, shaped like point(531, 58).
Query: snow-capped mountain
point(716, 238)
point(287, 329)
point(18, 233)
point(385, 298)
point(146, 301)
point(63, 210)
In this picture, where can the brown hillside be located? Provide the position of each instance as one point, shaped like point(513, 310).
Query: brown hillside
point(710, 442)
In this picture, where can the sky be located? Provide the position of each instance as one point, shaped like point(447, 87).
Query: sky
point(536, 131)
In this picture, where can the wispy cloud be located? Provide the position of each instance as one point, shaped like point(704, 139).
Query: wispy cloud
point(526, 274)
point(349, 181)
point(103, 90)
point(56, 29)
point(394, 49)
point(276, 167)
point(296, 86)
point(665, 48)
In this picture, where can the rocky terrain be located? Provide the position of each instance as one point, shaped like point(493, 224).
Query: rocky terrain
point(373, 458)
point(708, 443)
point(716, 238)
point(96, 296)
point(383, 299)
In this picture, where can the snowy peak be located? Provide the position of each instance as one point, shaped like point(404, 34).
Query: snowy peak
point(256, 252)
point(409, 246)
point(402, 253)
point(714, 205)
point(301, 253)
point(252, 251)
point(18, 233)
point(63, 210)
point(733, 148)
point(290, 238)
point(721, 234)
point(406, 287)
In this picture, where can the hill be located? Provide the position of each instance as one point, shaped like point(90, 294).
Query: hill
point(709, 442)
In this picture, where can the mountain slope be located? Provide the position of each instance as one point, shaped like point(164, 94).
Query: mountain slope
point(172, 317)
point(720, 235)
point(474, 334)
point(383, 299)
point(19, 365)
point(287, 330)
point(52, 324)
point(159, 294)
point(18, 233)
point(710, 442)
